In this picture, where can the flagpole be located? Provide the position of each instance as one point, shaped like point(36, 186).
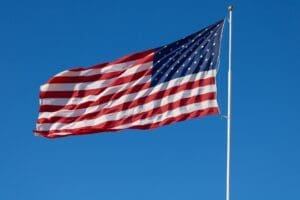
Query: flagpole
point(230, 8)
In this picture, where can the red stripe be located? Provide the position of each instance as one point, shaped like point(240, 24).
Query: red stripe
point(98, 129)
point(83, 93)
point(83, 79)
point(96, 77)
point(135, 56)
point(150, 113)
point(112, 97)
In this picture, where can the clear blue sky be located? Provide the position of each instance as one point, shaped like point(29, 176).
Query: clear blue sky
point(182, 161)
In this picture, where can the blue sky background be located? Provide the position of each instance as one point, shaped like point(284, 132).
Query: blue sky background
point(182, 161)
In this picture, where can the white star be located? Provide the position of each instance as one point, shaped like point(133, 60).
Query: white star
point(207, 50)
point(211, 63)
point(214, 44)
point(190, 58)
point(215, 34)
point(177, 71)
point(195, 52)
point(201, 56)
point(183, 65)
point(195, 62)
point(206, 59)
point(202, 46)
point(189, 68)
point(213, 53)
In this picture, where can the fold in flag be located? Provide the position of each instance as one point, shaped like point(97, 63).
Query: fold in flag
point(143, 90)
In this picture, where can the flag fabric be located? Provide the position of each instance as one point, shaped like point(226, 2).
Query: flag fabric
point(143, 90)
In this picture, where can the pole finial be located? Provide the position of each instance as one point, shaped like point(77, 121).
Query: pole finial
point(230, 8)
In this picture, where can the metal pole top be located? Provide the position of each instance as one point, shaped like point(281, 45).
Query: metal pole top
point(230, 8)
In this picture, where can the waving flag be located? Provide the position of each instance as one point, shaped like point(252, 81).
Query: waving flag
point(144, 90)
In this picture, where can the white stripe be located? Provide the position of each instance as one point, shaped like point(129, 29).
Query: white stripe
point(61, 133)
point(106, 69)
point(128, 98)
point(159, 87)
point(125, 113)
point(94, 84)
point(172, 113)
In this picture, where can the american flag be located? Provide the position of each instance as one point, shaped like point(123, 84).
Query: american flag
point(143, 90)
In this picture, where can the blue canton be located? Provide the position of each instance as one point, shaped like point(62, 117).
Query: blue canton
point(192, 54)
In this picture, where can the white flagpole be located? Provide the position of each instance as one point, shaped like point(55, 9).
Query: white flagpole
point(230, 8)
